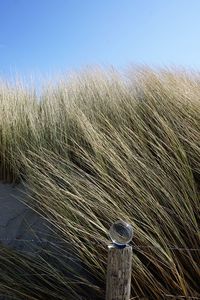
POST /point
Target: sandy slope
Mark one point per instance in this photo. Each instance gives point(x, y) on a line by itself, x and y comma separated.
point(24, 230)
point(20, 227)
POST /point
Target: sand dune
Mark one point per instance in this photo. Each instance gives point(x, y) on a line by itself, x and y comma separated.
point(21, 228)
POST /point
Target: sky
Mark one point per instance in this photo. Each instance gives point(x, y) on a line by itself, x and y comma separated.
point(49, 36)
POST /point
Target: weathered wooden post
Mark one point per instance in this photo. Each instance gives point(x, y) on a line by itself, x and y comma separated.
point(118, 283)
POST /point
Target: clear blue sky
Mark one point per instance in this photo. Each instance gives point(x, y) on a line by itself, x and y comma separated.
point(47, 36)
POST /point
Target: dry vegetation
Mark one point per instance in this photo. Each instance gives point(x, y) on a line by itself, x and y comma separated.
point(96, 148)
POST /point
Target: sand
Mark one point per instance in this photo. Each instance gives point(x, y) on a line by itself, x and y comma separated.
point(21, 228)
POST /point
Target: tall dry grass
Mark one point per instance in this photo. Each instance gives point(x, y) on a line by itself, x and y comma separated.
point(101, 147)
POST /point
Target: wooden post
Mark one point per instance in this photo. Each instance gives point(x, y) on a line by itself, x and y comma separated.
point(118, 283)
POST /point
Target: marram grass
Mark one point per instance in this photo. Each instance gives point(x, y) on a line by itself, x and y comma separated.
point(97, 148)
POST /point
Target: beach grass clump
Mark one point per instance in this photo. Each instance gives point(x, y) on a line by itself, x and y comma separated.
point(103, 147)
point(18, 127)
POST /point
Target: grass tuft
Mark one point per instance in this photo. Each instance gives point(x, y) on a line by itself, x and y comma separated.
point(97, 148)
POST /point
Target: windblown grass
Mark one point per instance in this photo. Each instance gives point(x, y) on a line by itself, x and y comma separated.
point(98, 148)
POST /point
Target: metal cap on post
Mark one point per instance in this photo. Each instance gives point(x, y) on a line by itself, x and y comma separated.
point(118, 283)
